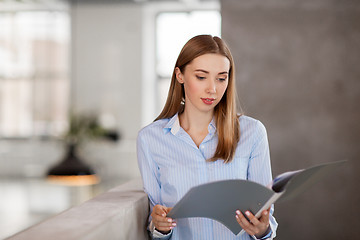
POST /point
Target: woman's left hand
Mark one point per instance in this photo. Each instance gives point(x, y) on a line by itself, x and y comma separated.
point(256, 227)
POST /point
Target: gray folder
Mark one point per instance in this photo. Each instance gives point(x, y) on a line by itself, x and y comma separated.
point(219, 200)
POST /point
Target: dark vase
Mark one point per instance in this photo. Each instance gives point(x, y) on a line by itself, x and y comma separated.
point(72, 170)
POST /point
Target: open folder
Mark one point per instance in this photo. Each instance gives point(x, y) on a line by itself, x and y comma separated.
point(219, 200)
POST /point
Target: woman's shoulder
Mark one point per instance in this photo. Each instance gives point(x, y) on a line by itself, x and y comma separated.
point(251, 124)
point(155, 127)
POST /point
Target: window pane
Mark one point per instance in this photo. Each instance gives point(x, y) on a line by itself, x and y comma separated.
point(15, 117)
point(174, 29)
point(33, 73)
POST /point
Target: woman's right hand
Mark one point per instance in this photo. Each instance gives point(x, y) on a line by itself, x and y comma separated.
point(160, 221)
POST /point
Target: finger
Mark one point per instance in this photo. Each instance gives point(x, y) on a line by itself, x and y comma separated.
point(163, 229)
point(159, 210)
point(160, 221)
point(164, 224)
point(265, 217)
point(244, 223)
point(252, 218)
point(167, 209)
point(158, 218)
point(238, 219)
point(260, 225)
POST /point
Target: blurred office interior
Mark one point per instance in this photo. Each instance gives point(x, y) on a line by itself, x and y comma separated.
point(297, 71)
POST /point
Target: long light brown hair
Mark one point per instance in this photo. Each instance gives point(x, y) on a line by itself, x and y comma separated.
point(225, 112)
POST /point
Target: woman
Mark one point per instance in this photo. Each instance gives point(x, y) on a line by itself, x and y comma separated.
point(199, 138)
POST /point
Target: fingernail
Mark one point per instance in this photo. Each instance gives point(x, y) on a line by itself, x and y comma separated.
point(247, 213)
point(237, 216)
point(238, 212)
point(174, 224)
point(169, 220)
point(171, 227)
point(265, 213)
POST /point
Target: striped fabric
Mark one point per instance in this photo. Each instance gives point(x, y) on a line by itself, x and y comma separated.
point(170, 164)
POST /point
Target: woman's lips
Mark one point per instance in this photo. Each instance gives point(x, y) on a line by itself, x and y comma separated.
point(208, 101)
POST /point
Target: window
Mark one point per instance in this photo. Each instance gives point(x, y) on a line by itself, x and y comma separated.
point(34, 81)
point(173, 30)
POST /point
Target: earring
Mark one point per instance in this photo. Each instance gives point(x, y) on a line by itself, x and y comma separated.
point(182, 102)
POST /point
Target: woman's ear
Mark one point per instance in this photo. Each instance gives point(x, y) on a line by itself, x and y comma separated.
point(179, 75)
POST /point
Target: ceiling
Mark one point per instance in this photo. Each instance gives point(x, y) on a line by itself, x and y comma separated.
point(19, 5)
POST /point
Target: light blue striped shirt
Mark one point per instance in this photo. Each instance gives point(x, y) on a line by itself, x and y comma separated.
point(170, 164)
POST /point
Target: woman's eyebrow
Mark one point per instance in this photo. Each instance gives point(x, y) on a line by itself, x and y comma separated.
point(223, 73)
point(204, 71)
point(201, 70)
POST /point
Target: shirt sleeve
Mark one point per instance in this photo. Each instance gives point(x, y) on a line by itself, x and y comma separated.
point(150, 177)
point(259, 169)
point(159, 236)
point(267, 236)
point(156, 235)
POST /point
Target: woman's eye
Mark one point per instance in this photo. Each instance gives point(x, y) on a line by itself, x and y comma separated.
point(222, 79)
point(200, 78)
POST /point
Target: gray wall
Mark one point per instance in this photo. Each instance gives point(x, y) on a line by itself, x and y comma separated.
point(106, 77)
point(297, 71)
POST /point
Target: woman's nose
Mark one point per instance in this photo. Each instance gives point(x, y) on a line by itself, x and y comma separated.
point(211, 88)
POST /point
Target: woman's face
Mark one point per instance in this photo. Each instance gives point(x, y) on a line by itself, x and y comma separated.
point(205, 81)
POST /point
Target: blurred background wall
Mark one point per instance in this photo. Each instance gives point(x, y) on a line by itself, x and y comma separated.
point(297, 71)
point(108, 66)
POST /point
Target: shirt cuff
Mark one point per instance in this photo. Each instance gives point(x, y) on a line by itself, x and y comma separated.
point(158, 235)
point(268, 235)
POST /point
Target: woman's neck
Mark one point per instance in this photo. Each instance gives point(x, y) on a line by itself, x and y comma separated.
point(196, 124)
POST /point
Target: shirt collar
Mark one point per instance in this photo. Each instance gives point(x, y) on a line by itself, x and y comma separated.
point(212, 126)
point(174, 125)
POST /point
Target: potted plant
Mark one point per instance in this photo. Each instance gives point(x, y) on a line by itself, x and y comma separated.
point(72, 170)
